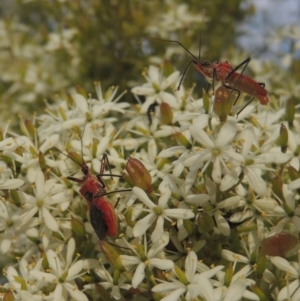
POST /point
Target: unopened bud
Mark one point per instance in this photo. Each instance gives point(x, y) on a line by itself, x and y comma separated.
point(205, 222)
point(257, 291)
point(103, 292)
point(111, 254)
point(45, 263)
point(183, 140)
point(224, 99)
point(278, 244)
point(42, 162)
point(261, 266)
point(18, 165)
point(251, 196)
point(75, 157)
point(277, 188)
point(30, 128)
point(166, 113)
point(293, 173)
point(188, 226)
point(77, 227)
point(81, 91)
point(94, 147)
point(139, 175)
point(8, 296)
point(157, 296)
point(282, 140)
point(290, 111)
point(181, 275)
point(15, 197)
point(228, 275)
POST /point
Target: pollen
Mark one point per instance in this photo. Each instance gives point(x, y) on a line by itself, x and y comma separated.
point(216, 152)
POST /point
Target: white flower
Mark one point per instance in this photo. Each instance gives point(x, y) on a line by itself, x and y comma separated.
point(110, 284)
point(154, 89)
point(10, 225)
point(5, 178)
point(158, 212)
point(175, 18)
point(23, 286)
point(289, 214)
point(61, 40)
point(147, 259)
point(292, 290)
point(216, 208)
point(48, 194)
point(95, 111)
point(255, 163)
point(189, 283)
point(219, 151)
point(62, 274)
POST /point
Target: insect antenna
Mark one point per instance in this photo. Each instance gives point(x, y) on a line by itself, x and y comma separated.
point(172, 41)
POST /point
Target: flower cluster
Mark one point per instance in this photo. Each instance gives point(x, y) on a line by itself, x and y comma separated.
point(170, 198)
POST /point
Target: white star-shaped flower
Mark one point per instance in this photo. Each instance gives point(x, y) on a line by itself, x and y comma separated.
point(158, 212)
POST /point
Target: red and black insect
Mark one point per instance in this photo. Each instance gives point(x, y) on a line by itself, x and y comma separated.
point(226, 74)
point(102, 213)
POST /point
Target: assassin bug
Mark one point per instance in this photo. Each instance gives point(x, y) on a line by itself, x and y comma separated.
point(102, 214)
point(226, 74)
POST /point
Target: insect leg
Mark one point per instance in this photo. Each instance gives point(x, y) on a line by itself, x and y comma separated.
point(75, 179)
point(184, 73)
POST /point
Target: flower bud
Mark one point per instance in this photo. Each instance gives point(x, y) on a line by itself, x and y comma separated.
point(261, 266)
point(188, 226)
point(139, 175)
point(293, 173)
point(64, 276)
point(103, 292)
point(183, 140)
point(62, 113)
point(157, 296)
point(290, 111)
point(42, 162)
point(224, 99)
point(277, 188)
point(253, 257)
point(166, 113)
point(30, 128)
point(282, 140)
point(18, 165)
point(256, 290)
point(81, 91)
point(278, 244)
point(45, 263)
point(111, 254)
point(8, 296)
point(94, 147)
point(228, 275)
point(181, 275)
point(77, 227)
point(288, 210)
point(75, 157)
point(15, 197)
point(205, 222)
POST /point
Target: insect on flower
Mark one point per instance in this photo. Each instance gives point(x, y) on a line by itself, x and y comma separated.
point(102, 213)
point(226, 74)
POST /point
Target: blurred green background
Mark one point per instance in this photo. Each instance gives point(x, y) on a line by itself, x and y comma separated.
point(47, 47)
